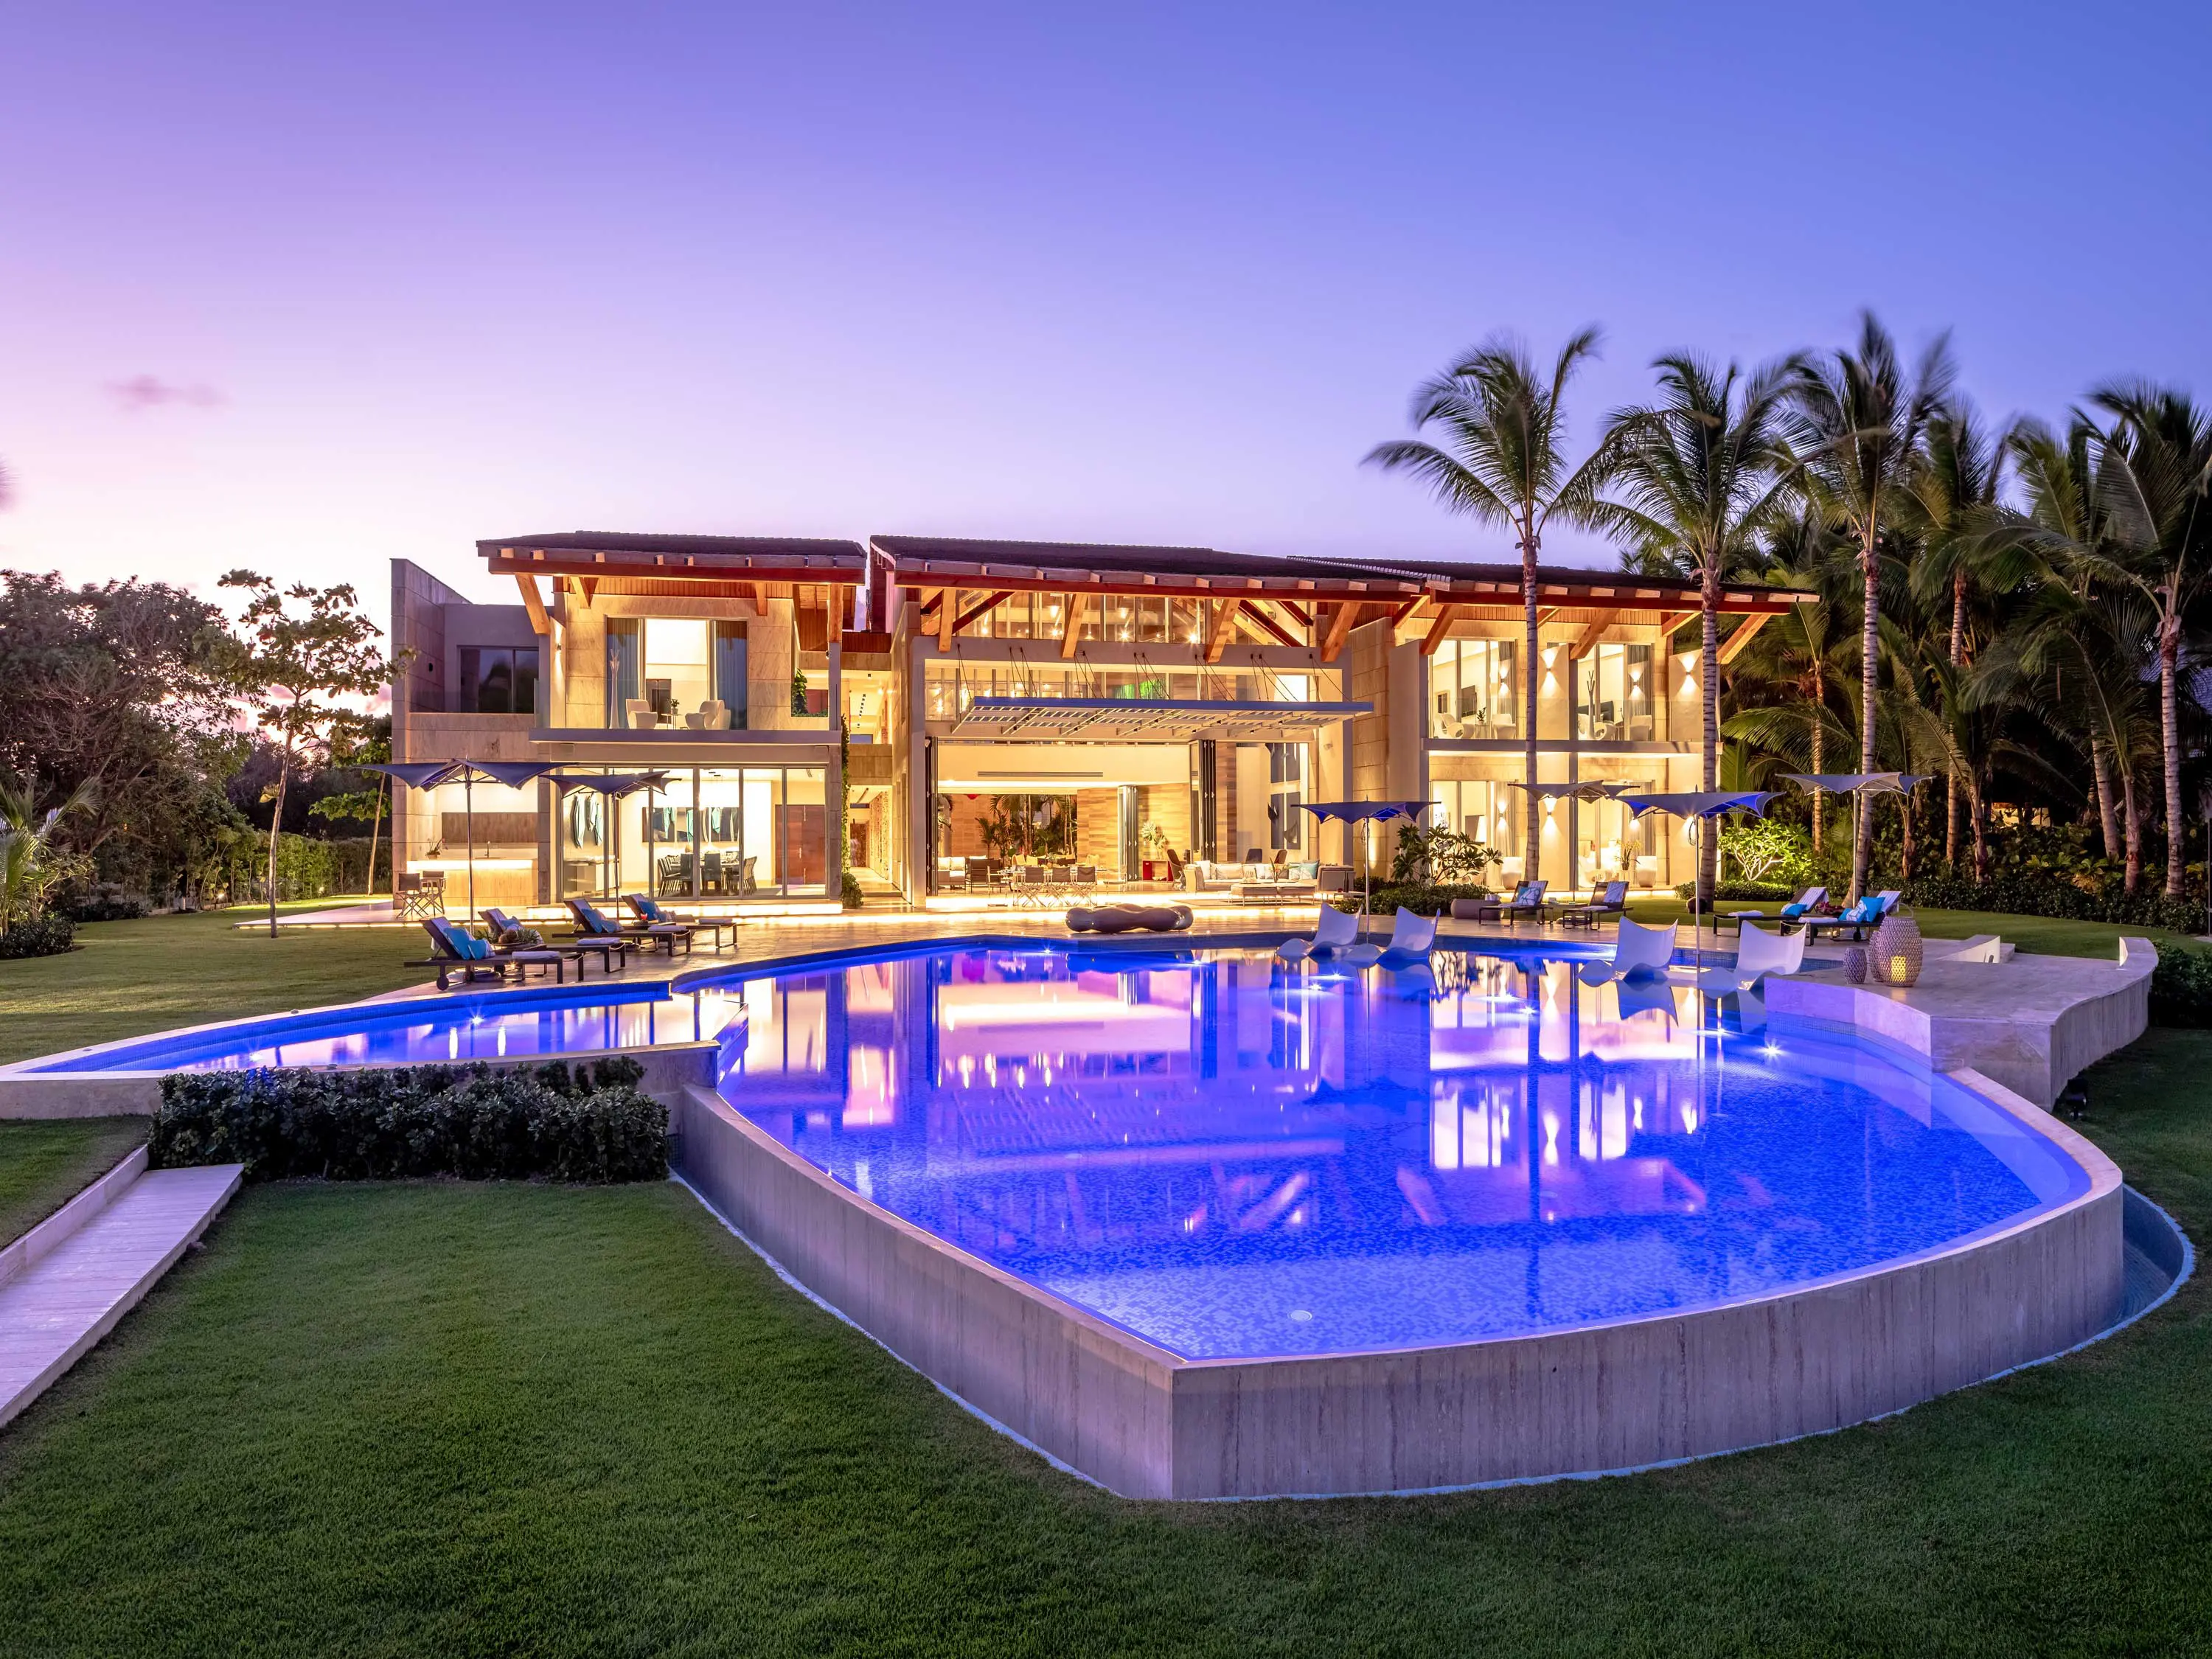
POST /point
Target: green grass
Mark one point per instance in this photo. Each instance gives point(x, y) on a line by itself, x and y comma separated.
point(2041, 934)
point(439, 1418)
point(44, 1163)
point(129, 978)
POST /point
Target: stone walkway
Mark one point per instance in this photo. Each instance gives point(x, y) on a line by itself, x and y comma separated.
point(55, 1309)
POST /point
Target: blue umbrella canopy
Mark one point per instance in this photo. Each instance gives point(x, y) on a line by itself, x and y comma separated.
point(415, 775)
point(1701, 803)
point(1354, 811)
point(1860, 783)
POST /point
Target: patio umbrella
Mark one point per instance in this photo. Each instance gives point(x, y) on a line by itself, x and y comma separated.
point(1360, 812)
point(1698, 805)
point(428, 775)
point(1859, 785)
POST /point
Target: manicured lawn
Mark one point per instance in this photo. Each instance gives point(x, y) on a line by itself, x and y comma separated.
point(43, 1164)
point(2038, 933)
point(128, 977)
point(516, 1420)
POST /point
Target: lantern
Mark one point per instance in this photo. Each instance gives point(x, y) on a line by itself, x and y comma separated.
point(1895, 950)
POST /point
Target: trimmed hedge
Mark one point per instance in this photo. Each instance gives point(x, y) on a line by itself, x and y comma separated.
point(1746, 891)
point(2043, 893)
point(553, 1122)
point(1422, 898)
point(49, 936)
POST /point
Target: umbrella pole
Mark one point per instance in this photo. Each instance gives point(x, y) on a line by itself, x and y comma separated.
point(469, 815)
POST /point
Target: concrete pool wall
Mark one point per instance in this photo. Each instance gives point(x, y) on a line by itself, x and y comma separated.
point(1145, 1422)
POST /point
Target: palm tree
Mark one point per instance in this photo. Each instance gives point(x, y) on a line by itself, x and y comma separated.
point(2156, 469)
point(1698, 476)
point(1502, 426)
point(1953, 488)
point(1858, 421)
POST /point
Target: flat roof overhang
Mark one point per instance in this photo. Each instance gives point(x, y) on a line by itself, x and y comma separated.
point(1099, 720)
point(733, 559)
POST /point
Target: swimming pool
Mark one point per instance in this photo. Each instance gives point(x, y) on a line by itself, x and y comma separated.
point(1231, 1157)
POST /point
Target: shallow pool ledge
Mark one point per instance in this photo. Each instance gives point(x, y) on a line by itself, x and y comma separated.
point(1145, 1422)
point(2033, 1023)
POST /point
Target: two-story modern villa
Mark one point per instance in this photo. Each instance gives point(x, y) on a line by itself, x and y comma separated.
point(1130, 711)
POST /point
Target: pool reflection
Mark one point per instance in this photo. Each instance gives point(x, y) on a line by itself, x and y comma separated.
point(1201, 1147)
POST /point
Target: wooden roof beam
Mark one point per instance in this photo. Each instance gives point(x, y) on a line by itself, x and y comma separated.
point(534, 603)
point(1339, 629)
point(1282, 634)
point(1225, 627)
point(1072, 635)
point(1732, 646)
point(1446, 616)
point(1586, 641)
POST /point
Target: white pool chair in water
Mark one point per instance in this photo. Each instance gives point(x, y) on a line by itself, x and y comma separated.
point(1412, 938)
point(1636, 950)
point(1336, 930)
point(1759, 954)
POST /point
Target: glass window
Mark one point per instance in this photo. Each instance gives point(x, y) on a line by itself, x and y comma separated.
point(499, 679)
point(623, 635)
point(1472, 690)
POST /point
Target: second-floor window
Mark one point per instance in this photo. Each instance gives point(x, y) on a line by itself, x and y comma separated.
point(499, 679)
point(1471, 689)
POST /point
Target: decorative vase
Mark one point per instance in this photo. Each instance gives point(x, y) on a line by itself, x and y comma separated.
point(1855, 963)
point(1896, 948)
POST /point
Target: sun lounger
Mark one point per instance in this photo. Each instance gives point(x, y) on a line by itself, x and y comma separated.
point(611, 952)
point(1636, 950)
point(454, 949)
point(592, 922)
point(1860, 917)
point(1336, 930)
point(1412, 938)
point(1760, 953)
point(649, 912)
point(1527, 900)
point(1612, 901)
point(1794, 912)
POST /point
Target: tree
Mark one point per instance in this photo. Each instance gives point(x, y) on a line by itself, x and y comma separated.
point(306, 648)
point(1698, 476)
point(374, 746)
point(1952, 489)
point(31, 864)
point(1856, 426)
point(1502, 427)
point(2155, 470)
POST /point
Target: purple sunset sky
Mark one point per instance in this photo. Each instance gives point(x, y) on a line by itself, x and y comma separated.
point(303, 290)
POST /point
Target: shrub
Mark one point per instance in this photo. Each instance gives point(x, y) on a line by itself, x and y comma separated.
point(2181, 987)
point(849, 891)
point(1422, 898)
point(2044, 892)
point(108, 903)
point(1767, 851)
point(554, 1122)
point(1738, 890)
point(49, 936)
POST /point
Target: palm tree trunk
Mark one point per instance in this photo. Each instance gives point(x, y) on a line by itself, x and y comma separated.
point(1869, 667)
point(1978, 810)
point(1533, 847)
point(2100, 763)
point(1819, 731)
point(2169, 650)
point(2132, 814)
point(1709, 667)
point(1958, 645)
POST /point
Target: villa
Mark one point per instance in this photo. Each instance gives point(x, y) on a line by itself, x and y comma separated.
point(1148, 715)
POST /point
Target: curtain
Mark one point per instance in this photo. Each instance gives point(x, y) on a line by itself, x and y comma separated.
point(624, 639)
point(730, 671)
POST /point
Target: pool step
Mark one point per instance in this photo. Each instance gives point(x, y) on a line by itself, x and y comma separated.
point(66, 1283)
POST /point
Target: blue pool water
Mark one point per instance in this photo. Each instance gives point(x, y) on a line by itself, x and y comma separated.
point(1233, 1158)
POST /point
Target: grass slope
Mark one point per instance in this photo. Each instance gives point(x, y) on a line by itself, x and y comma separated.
point(440, 1419)
point(2041, 934)
point(129, 978)
point(45, 1164)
